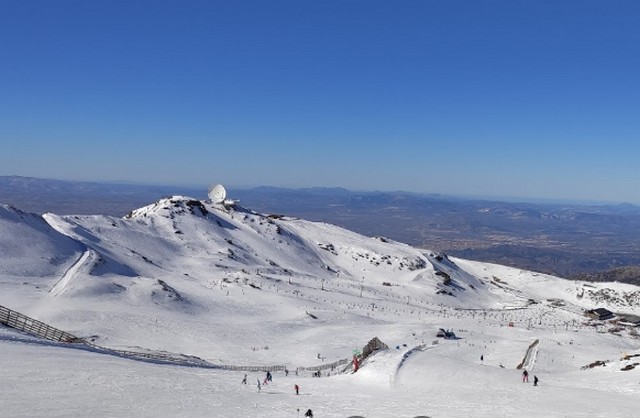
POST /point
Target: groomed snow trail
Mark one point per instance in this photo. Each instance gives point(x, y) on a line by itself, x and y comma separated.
point(86, 259)
point(530, 358)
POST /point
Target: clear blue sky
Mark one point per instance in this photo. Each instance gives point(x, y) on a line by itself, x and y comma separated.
point(535, 99)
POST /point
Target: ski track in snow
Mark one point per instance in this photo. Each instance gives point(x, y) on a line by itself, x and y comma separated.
point(86, 259)
point(531, 356)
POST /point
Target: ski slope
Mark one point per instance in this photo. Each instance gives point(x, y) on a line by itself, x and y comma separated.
point(240, 288)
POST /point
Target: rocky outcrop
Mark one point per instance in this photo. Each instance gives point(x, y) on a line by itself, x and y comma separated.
point(372, 346)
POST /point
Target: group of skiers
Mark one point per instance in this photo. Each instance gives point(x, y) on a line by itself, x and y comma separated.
point(309, 414)
point(525, 378)
point(269, 378)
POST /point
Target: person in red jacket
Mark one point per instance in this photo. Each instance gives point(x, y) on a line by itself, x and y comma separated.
point(297, 388)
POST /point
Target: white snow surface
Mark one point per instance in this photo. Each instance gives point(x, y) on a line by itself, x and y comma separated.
point(238, 288)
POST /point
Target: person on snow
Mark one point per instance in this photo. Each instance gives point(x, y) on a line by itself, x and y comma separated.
point(535, 380)
point(269, 377)
point(297, 388)
point(308, 414)
point(259, 387)
point(481, 358)
point(525, 376)
point(286, 372)
point(244, 380)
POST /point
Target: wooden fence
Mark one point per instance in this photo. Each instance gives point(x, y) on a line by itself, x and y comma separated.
point(34, 327)
point(39, 329)
point(328, 366)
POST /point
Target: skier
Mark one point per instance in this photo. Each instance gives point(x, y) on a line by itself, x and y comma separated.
point(297, 388)
point(259, 387)
point(308, 414)
point(286, 372)
point(481, 358)
point(525, 376)
point(244, 380)
point(269, 377)
point(535, 380)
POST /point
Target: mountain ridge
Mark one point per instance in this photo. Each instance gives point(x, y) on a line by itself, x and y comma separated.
point(559, 239)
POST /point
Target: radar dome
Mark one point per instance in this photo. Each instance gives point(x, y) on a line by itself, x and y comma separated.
point(217, 193)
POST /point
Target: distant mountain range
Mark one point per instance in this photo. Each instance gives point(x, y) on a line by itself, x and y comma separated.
point(560, 239)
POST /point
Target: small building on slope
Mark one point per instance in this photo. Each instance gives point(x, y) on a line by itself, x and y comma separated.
point(600, 314)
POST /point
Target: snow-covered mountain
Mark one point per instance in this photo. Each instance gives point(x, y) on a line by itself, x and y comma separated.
point(236, 287)
point(30, 247)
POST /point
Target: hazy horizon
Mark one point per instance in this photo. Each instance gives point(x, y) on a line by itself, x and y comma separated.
point(530, 99)
point(203, 188)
